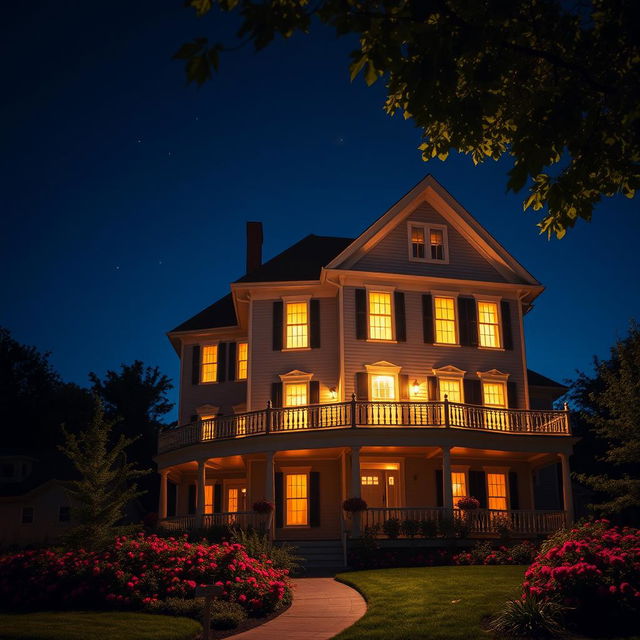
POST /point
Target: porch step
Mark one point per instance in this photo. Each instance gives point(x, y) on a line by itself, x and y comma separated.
point(319, 554)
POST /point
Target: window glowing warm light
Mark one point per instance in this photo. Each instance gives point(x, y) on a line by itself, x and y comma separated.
point(208, 498)
point(380, 327)
point(458, 485)
point(383, 388)
point(488, 324)
point(452, 388)
point(370, 480)
point(297, 499)
point(445, 319)
point(297, 325)
point(436, 241)
point(243, 356)
point(497, 491)
point(209, 363)
point(494, 395)
point(208, 424)
point(417, 242)
point(295, 395)
point(232, 500)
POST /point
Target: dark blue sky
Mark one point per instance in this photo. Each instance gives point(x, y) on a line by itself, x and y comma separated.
point(125, 192)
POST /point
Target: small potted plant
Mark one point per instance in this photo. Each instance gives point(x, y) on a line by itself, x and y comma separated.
point(264, 508)
point(354, 505)
point(468, 504)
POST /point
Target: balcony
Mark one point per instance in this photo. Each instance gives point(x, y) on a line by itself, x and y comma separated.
point(356, 414)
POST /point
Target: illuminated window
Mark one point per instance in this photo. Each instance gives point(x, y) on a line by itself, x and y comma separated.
point(209, 363)
point(436, 244)
point(445, 317)
point(208, 425)
point(243, 355)
point(459, 486)
point(391, 480)
point(370, 480)
point(383, 388)
point(417, 242)
point(494, 395)
point(295, 395)
point(297, 499)
point(297, 325)
point(380, 327)
point(232, 500)
point(497, 491)
point(452, 388)
point(488, 324)
point(208, 498)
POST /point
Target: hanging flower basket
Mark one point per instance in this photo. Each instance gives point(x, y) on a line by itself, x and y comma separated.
point(468, 504)
point(263, 506)
point(354, 505)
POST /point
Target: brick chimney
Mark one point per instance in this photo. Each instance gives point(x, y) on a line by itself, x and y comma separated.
point(254, 246)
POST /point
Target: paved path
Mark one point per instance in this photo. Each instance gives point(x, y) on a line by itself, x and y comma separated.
point(321, 609)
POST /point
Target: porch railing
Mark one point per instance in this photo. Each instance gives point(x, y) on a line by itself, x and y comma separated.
point(357, 414)
point(480, 521)
point(240, 519)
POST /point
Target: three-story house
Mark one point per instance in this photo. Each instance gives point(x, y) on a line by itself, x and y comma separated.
point(390, 367)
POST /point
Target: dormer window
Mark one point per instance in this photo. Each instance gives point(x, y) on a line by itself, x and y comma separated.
point(427, 242)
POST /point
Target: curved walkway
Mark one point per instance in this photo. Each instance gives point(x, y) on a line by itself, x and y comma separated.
point(321, 609)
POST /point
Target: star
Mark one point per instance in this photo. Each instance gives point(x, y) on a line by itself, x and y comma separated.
point(139, 140)
point(117, 268)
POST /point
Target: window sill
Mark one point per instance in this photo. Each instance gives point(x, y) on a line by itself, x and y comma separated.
point(380, 341)
point(209, 382)
point(296, 349)
point(491, 348)
point(446, 344)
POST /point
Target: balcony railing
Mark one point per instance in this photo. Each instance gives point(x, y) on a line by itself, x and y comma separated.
point(239, 519)
point(480, 521)
point(356, 414)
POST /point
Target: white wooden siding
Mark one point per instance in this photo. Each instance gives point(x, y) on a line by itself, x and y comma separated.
point(390, 255)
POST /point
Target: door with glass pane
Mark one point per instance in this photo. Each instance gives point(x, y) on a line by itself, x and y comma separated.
point(495, 401)
point(385, 394)
point(295, 395)
point(380, 488)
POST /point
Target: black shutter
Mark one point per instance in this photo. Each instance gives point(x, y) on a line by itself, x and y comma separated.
point(217, 498)
point(468, 322)
point(361, 314)
point(514, 498)
point(278, 491)
point(432, 389)
point(427, 318)
point(191, 499)
point(314, 392)
point(222, 362)
point(403, 381)
point(478, 487)
point(232, 353)
point(194, 418)
point(314, 499)
point(172, 498)
point(507, 334)
point(276, 394)
point(314, 318)
point(439, 489)
point(512, 394)
point(401, 321)
point(277, 325)
point(472, 392)
point(362, 386)
point(195, 364)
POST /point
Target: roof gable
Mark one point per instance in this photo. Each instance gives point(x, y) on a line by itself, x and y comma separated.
point(429, 198)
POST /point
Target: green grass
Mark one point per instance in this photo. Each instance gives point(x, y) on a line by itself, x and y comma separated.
point(76, 625)
point(430, 602)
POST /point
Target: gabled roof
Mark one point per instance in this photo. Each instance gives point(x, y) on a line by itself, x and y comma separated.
point(220, 314)
point(430, 190)
point(302, 261)
point(536, 379)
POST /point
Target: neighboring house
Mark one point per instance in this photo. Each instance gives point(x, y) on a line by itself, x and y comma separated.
point(391, 366)
point(34, 507)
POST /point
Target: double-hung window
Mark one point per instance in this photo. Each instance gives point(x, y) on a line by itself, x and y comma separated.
point(452, 388)
point(417, 241)
point(488, 324)
point(296, 499)
point(209, 363)
point(296, 325)
point(380, 318)
point(427, 242)
point(445, 320)
point(497, 491)
point(242, 360)
point(296, 394)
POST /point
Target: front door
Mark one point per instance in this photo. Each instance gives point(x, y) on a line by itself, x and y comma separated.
point(379, 488)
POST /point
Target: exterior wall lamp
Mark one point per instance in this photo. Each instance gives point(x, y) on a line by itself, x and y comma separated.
point(415, 388)
point(333, 393)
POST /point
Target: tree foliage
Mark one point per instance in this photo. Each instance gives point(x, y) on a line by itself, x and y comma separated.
point(553, 85)
point(609, 423)
point(106, 484)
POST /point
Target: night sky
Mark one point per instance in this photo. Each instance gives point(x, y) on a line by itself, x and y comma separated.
point(125, 192)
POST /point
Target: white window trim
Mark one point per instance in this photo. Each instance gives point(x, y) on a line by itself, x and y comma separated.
point(495, 376)
point(383, 368)
point(449, 372)
point(295, 471)
point(425, 230)
point(456, 320)
point(206, 410)
point(497, 300)
point(505, 471)
point(293, 299)
point(427, 242)
point(382, 289)
point(237, 363)
point(202, 346)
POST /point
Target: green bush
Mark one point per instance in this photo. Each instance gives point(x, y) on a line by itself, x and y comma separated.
point(530, 618)
point(411, 528)
point(258, 545)
point(391, 528)
point(428, 528)
point(226, 615)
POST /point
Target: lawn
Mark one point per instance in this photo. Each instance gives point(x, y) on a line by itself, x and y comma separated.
point(430, 602)
point(75, 625)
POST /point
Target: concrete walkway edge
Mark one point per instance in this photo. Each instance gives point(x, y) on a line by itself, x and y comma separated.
point(321, 609)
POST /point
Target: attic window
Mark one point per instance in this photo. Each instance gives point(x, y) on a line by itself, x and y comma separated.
point(427, 242)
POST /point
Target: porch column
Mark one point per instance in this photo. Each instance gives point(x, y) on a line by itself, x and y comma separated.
point(355, 488)
point(268, 479)
point(447, 489)
point(162, 510)
point(202, 475)
point(567, 492)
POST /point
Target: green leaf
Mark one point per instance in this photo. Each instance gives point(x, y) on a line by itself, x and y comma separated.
point(371, 75)
point(356, 67)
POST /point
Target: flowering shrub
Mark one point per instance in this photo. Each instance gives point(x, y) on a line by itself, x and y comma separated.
point(263, 506)
point(484, 553)
point(354, 505)
point(135, 571)
point(594, 568)
point(468, 504)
